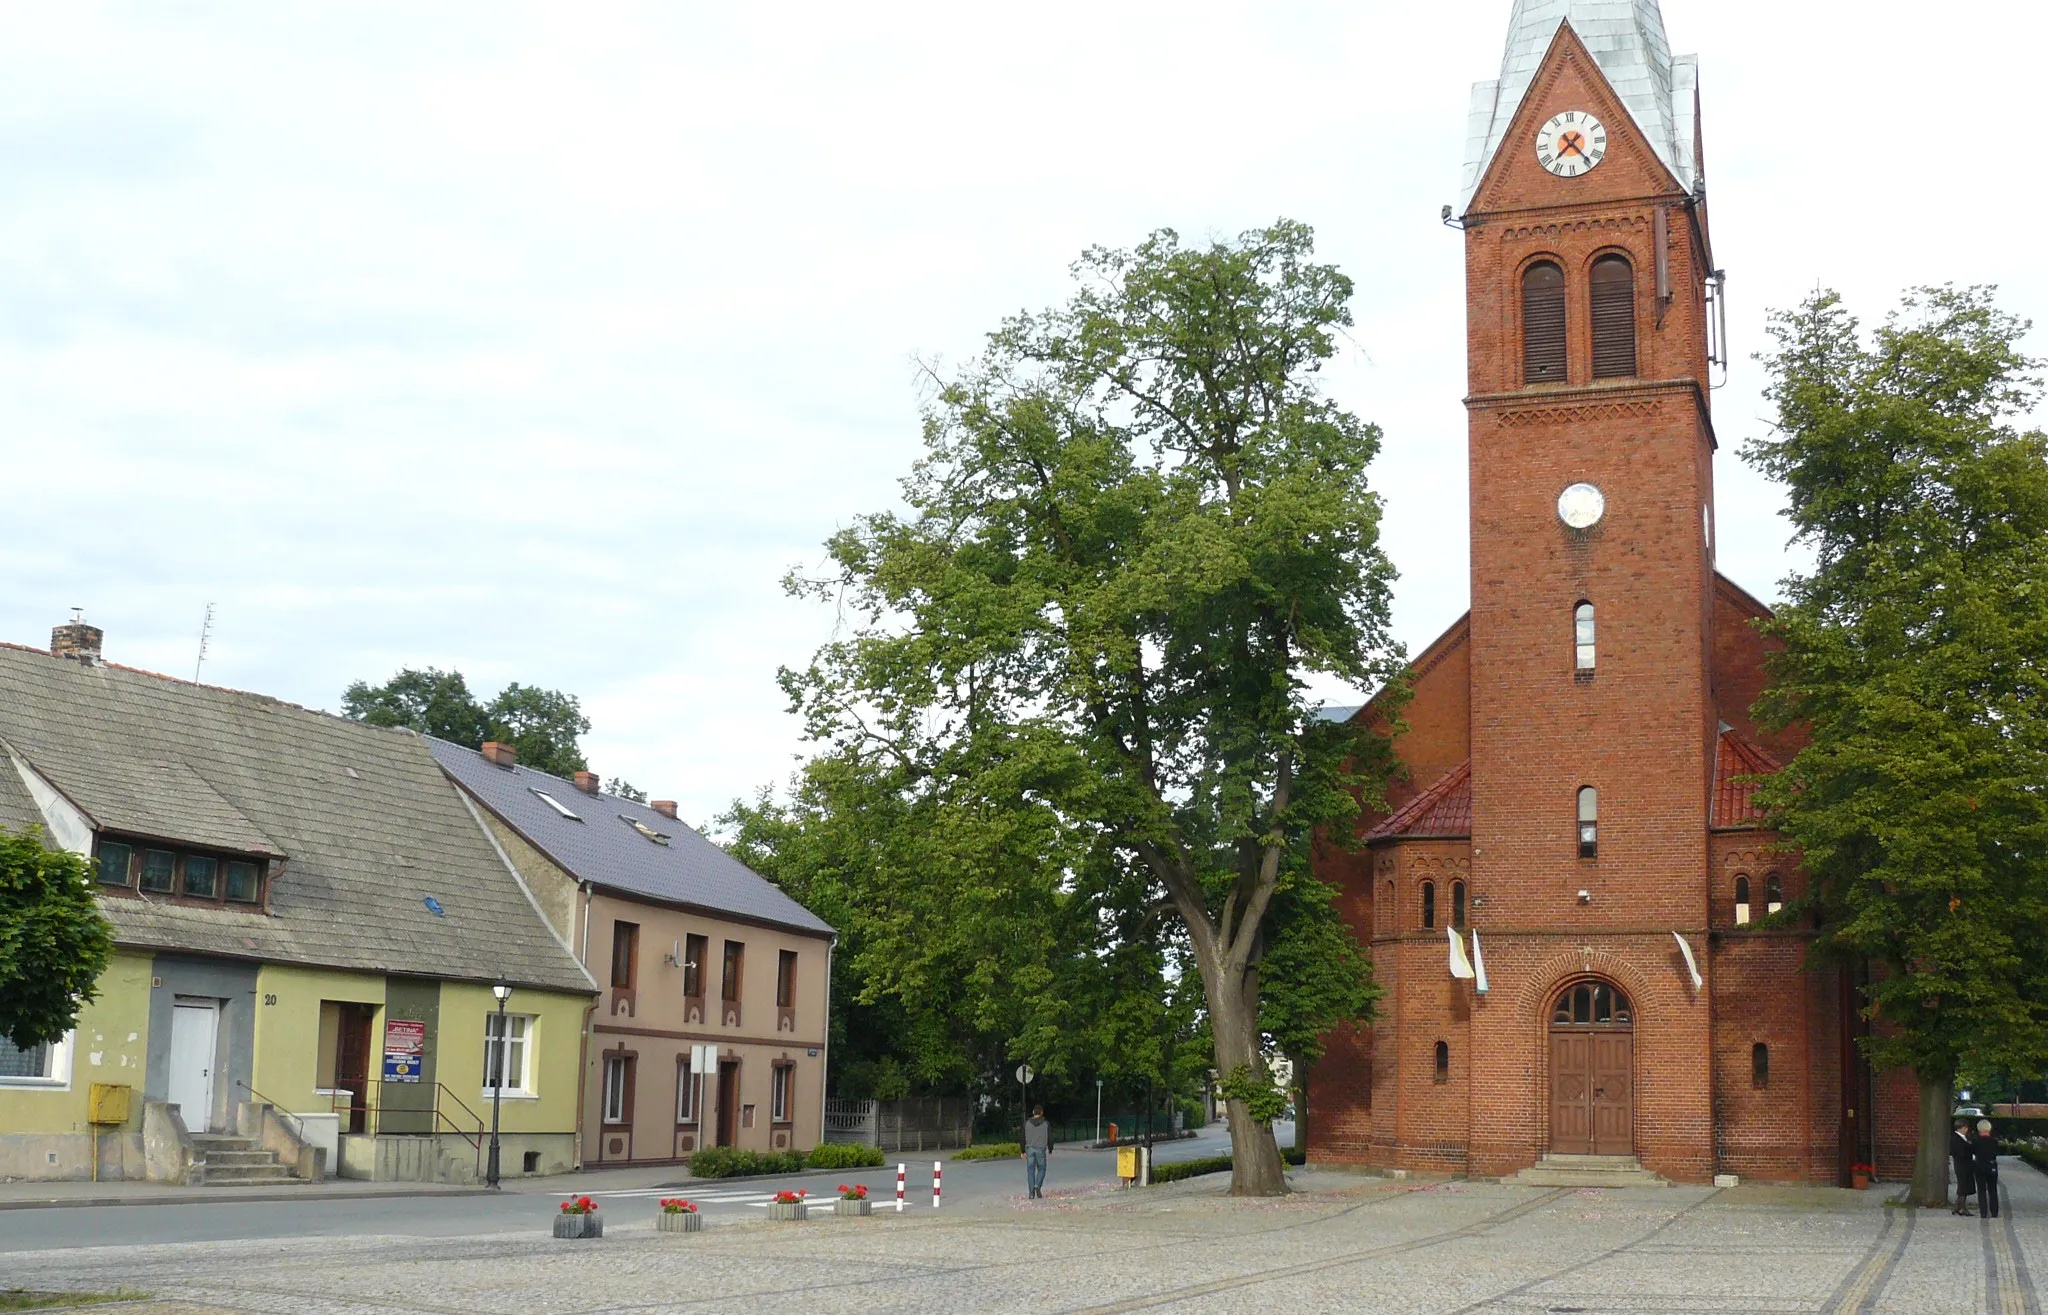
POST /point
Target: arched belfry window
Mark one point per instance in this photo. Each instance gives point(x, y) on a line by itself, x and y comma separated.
point(1543, 324)
point(1443, 1061)
point(1589, 822)
point(1582, 637)
point(1458, 904)
point(1742, 901)
point(1774, 893)
point(1429, 904)
point(1614, 318)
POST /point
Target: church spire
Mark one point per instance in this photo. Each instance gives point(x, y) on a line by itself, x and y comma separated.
point(1626, 38)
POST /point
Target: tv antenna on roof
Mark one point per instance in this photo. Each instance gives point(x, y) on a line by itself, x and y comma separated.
point(205, 632)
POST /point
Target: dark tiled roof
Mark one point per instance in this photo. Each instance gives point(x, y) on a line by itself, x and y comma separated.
point(1736, 757)
point(1444, 809)
point(604, 843)
point(367, 824)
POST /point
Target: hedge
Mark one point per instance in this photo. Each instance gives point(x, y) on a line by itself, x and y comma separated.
point(841, 1155)
point(735, 1162)
point(998, 1150)
point(1167, 1173)
point(2033, 1152)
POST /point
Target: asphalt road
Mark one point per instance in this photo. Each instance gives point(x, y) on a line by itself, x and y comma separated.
point(973, 1184)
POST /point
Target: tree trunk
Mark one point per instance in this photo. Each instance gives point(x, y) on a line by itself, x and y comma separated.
point(1255, 1167)
point(1930, 1159)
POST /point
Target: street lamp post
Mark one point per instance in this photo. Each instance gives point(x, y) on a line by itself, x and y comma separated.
point(503, 990)
point(1098, 1109)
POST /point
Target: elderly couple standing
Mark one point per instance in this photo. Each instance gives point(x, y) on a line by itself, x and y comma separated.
point(1976, 1165)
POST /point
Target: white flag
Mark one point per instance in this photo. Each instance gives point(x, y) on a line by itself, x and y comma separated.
point(1691, 964)
point(1478, 962)
point(1460, 965)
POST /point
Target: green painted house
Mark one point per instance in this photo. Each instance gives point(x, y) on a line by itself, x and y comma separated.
point(309, 921)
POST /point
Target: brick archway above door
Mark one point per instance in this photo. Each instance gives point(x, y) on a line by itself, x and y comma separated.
point(1592, 1070)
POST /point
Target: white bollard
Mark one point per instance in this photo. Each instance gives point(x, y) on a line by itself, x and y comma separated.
point(938, 1181)
point(899, 1189)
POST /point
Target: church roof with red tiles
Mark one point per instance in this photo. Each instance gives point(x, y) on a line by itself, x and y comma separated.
point(1735, 758)
point(1444, 809)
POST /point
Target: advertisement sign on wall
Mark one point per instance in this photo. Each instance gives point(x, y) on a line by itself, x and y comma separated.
point(405, 1046)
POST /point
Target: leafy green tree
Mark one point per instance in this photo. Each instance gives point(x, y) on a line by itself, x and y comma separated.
point(1136, 533)
point(625, 789)
point(1315, 978)
point(543, 725)
point(53, 942)
point(1916, 650)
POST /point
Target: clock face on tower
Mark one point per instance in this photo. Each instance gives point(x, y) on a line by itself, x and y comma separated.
point(1571, 143)
point(1581, 506)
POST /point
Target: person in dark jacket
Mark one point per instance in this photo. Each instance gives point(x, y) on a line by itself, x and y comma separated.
point(1985, 1152)
point(1962, 1155)
point(1037, 1149)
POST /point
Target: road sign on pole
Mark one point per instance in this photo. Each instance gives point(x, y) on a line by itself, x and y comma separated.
point(1024, 1074)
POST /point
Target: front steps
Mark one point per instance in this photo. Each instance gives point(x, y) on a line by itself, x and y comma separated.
point(224, 1160)
point(1588, 1171)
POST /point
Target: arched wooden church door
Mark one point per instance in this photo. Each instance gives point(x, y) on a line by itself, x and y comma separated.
point(1592, 1071)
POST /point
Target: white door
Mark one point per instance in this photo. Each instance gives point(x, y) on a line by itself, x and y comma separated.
point(193, 1025)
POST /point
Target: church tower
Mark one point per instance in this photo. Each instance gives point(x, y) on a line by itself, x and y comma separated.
point(1593, 725)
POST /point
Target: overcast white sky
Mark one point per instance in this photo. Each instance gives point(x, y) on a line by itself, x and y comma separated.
point(539, 341)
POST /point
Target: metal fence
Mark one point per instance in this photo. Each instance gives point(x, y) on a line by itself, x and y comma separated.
point(930, 1124)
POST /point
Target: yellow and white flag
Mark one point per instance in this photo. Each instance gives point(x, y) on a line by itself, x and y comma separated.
point(1478, 962)
point(1460, 965)
point(1692, 965)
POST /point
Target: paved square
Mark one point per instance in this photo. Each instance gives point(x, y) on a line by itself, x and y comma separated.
point(1343, 1244)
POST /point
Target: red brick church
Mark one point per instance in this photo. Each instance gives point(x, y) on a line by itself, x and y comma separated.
point(1573, 831)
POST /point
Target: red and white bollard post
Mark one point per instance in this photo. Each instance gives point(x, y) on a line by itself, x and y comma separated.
point(938, 1181)
point(899, 1189)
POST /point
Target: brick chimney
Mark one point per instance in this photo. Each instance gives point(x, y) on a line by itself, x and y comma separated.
point(587, 782)
point(666, 807)
point(504, 755)
point(77, 640)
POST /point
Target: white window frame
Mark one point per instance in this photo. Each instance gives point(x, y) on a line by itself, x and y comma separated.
point(613, 1088)
point(686, 1091)
point(521, 1029)
point(781, 1081)
point(59, 1076)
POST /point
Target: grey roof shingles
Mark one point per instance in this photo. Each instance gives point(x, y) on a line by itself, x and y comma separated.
point(602, 846)
point(368, 824)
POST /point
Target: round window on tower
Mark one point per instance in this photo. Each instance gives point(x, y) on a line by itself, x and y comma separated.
point(1581, 506)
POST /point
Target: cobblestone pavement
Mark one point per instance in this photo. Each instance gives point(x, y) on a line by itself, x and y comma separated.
point(1342, 1243)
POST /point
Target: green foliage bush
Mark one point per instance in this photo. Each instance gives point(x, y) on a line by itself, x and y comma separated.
point(1167, 1173)
point(735, 1162)
point(2033, 1152)
point(834, 1155)
point(996, 1150)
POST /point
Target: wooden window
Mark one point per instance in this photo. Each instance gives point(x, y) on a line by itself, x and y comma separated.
point(1591, 1003)
point(1443, 1061)
point(159, 870)
point(686, 1090)
point(1589, 822)
point(1429, 904)
point(785, 980)
point(1458, 904)
point(1742, 901)
point(1760, 1065)
point(202, 876)
point(1774, 893)
point(618, 1088)
point(245, 882)
point(1582, 637)
point(1614, 318)
point(729, 986)
point(625, 953)
point(695, 950)
point(1543, 336)
point(114, 861)
point(781, 1079)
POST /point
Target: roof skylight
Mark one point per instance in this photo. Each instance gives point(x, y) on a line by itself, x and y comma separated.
point(658, 837)
point(555, 804)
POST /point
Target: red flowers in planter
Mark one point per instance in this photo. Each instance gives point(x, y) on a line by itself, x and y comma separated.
point(857, 1192)
point(582, 1205)
point(790, 1198)
point(676, 1205)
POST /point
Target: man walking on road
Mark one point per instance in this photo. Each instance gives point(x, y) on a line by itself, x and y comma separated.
point(1985, 1151)
point(1037, 1147)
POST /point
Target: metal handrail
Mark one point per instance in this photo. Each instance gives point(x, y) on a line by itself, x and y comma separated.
point(298, 1128)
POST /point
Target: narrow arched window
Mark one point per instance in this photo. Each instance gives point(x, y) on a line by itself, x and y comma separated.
point(1429, 904)
point(1543, 324)
point(1457, 904)
point(1614, 318)
point(1774, 893)
point(1760, 1065)
point(1582, 637)
point(1742, 901)
point(1589, 822)
point(1443, 1061)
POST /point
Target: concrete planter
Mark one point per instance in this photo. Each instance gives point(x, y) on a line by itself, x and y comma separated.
point(854, 1209)
point(680, 1221)
point(792, 1210)
point(590, 1225)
